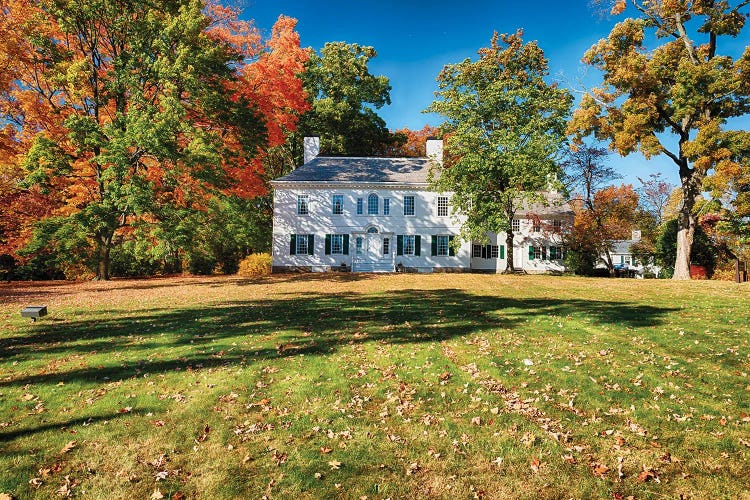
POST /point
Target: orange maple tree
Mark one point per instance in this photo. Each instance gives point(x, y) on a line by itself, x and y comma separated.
point(115, 110)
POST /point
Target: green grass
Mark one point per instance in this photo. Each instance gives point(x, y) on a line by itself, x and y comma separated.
point(398, 386)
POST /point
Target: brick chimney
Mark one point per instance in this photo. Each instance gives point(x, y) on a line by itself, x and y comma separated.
point(311, 147)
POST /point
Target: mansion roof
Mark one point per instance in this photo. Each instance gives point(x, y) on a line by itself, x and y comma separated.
point(353, 170)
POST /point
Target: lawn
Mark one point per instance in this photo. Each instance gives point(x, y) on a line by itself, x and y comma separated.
point(394, 386)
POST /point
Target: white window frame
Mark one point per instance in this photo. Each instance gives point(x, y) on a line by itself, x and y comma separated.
point(409, 244)
point(386, 246)
point(302, 246)
point(515, 225)
point(359, 244)
point(303, 204)
point(442, 206)
point(476, 251)
point(443, 245)
point(373, 208)
point(337, 209)
point(536, 226)
point(412, 204)
point(360, 206)
point(555, 252)
point(386, 206)
point(337, 244)
point(494, 252)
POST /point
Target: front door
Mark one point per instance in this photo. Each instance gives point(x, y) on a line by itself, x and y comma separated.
point(372, 245)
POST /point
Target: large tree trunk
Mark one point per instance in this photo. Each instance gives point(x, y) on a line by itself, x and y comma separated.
point(686, 222)
point(509, 237)
point(104, 248)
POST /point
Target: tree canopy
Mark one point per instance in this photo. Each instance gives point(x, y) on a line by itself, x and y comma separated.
point(504, 128)
point(669, 89)
point(343, 98)
point(117, 113)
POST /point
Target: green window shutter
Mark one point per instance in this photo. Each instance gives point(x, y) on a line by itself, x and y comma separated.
point(544, 253)
point(488, 251)
point(328, 244)
point(451, 250)
point(502, 251)
point(310, 244)
point(400, 244)
point(346, 244)
point(417, 245)
point(531, 253)
point(434, 246)
point(293, 245)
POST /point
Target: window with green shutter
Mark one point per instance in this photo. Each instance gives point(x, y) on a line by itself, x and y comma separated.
point(531, 253)
point(502, 251)
point(293, 245)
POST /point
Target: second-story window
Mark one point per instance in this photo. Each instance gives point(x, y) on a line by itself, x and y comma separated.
point(442, 206)
point(338, 204)
point(386, 206)
point(516, 225)
point(409, 205)
point(372, 204)
point(360, 206)
point(302, 204)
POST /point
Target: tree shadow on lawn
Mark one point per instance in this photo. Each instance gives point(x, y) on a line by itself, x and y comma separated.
point(313, 324)
point(85, 420)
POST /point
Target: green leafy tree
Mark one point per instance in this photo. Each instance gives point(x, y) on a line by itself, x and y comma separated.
point(344, 96)
point(672, 97)
point(118, 105)
point(505, 127)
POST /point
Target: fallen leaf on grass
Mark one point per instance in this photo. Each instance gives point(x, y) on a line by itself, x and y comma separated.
point(6, 496)
point(324, 450)
point(445, 376)
point(69, 446)
point(334, 464)
point(599, 470)
point(159, 423)
point(569, 458)
point(157, 495)
point(476, 421)
point(178, 496)
point(536, 464)
point(648, 475)
point(28, 396)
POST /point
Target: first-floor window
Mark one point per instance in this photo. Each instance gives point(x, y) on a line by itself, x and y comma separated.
point(537, 253)
point(555, 253)
point(337, 244)
point(386, 245)
point(407, 244)
point(359, 245)
point(493, 252)
point(302, 244)
point(476, 251)
point(441, 245)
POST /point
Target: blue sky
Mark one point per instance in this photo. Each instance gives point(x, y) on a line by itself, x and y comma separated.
point(415, 39)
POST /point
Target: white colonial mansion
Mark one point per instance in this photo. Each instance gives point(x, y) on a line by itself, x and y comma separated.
point(379, 215)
